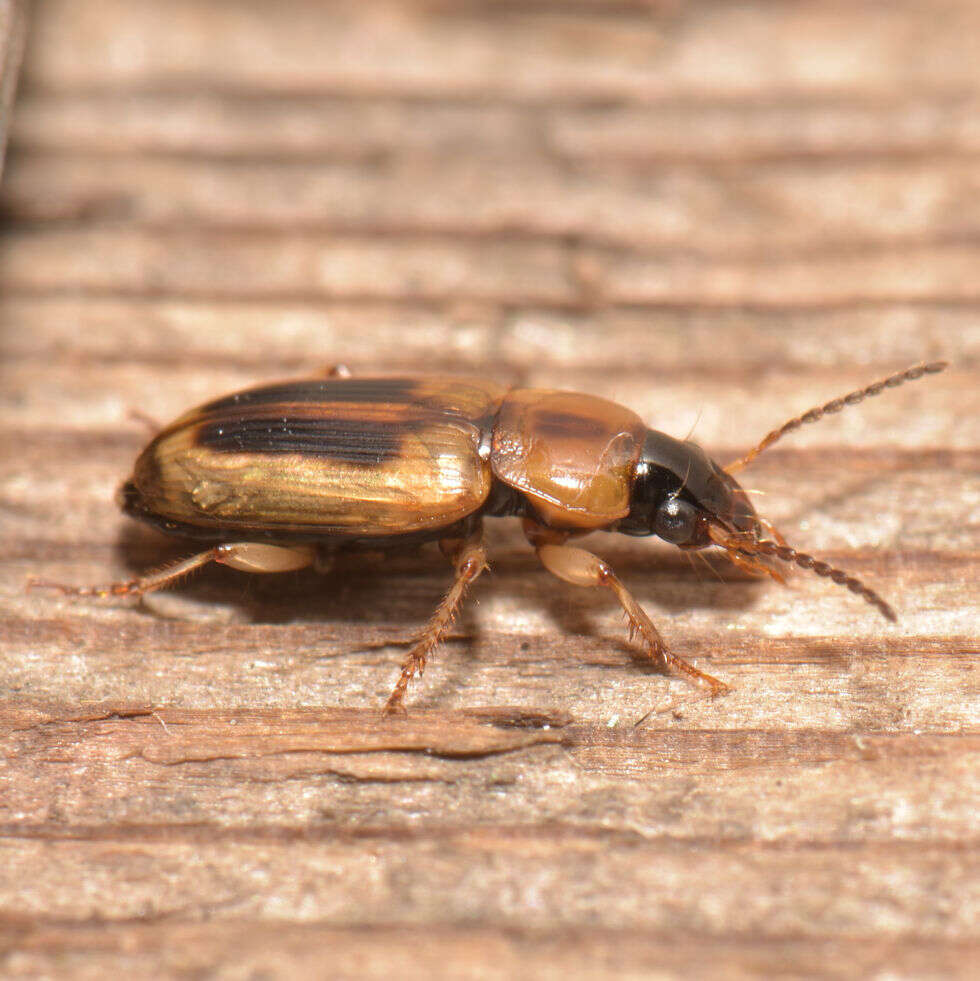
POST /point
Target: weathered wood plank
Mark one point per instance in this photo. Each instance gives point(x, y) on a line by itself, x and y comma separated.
point(431, 269)
point(228, 126)
point(420, 880)
point(737, 210)
point(579, 347)
point(248, 947)
point(499, 51)
point(718, 215)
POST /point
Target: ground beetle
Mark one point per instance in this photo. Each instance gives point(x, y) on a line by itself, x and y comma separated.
point(275, 478)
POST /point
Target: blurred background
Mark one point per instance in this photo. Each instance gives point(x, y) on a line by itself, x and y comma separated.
point(716, 213)
point(603, 195)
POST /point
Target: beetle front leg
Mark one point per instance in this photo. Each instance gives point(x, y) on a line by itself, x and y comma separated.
point(470, 559)
point(246, 556)
point(582, 568)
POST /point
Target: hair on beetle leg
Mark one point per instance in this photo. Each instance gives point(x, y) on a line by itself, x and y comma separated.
point(156, 578)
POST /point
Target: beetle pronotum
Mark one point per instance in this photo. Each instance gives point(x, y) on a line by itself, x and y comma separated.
point(274, 477)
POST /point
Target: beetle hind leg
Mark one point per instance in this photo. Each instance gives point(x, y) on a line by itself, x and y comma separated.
point(246, 556)
point(582, 568)
point(470, 559)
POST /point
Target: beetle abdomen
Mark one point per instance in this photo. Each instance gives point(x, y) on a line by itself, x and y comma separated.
point(351, 458)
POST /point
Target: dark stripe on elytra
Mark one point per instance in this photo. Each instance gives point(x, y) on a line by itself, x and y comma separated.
point(379, 390)
point(361, 442)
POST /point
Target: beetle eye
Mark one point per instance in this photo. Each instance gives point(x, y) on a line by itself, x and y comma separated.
point(675, 521)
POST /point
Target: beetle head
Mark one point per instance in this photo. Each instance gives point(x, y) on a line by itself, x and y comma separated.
point(679, 493)
point(683, 496)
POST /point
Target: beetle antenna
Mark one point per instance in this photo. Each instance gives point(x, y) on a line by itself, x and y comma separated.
point(746, 547)
point(835, 405)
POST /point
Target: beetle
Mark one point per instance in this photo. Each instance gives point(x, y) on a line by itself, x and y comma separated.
point(275, 478)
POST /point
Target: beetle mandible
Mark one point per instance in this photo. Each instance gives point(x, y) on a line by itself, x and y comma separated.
point(274, 477)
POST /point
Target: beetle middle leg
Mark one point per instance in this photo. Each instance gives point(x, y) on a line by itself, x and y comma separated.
point(582, 568)
point(246, 556)
point(470, 559)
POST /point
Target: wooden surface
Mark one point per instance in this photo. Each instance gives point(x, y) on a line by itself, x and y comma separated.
point(13, 22)
point(717, 214)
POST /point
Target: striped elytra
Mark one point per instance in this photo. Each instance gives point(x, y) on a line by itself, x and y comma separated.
point(344, 458)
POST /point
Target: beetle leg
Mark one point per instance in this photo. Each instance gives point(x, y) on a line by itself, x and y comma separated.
point(470, 559)
point(582, 568)
point(246, 556)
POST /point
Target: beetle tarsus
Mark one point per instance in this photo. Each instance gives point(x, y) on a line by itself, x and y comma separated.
point(127, 588)
point(246, 556)
point(470, 560)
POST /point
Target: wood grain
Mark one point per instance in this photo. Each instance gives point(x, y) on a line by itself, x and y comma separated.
point(718, 215)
